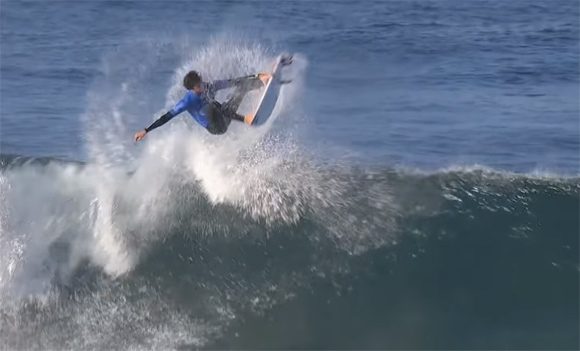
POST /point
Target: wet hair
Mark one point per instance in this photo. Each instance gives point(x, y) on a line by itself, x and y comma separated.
point(191, 79)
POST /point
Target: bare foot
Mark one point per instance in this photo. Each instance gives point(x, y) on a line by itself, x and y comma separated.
point(264, 77)
point(249, 118)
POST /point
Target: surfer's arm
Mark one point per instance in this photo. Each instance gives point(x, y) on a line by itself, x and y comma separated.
point(177, 109)
point(160, 121)
point(228, 83)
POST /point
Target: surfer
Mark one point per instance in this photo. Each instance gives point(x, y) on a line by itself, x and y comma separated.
point(200, 102)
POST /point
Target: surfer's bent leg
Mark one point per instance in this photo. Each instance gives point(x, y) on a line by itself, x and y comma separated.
point(218, 120)
point(242, 88)
point(221, 115)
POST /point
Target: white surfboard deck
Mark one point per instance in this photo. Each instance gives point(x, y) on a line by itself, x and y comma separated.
point(270, 94)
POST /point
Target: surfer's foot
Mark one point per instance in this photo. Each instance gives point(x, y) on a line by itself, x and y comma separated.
point(249, 118)
point(264, 77)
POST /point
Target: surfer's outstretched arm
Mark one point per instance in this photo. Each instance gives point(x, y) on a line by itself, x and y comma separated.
point(160, 121)
point(177, 109)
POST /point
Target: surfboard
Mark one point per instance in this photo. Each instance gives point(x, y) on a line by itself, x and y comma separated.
point(269, 96)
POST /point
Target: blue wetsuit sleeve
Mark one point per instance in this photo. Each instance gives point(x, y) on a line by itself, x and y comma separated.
point(181, 105)
point(177, 109)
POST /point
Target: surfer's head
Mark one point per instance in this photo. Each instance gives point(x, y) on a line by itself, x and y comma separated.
point(192, 81)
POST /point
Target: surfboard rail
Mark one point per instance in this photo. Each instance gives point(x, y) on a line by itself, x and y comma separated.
point(269, 97)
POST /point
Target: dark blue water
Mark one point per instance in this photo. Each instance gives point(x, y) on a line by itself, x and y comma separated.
point(429, 83)
point(418, 187)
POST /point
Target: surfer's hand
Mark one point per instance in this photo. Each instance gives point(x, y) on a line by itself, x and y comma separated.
point(140, 135)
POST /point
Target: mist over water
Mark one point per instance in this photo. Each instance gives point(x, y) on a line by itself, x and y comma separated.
point(94, 224)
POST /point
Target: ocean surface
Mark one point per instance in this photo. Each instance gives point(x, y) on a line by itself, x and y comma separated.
point(418, 186)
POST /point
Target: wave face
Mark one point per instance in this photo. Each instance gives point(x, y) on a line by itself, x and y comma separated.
point(191, 240)
point(327, 257)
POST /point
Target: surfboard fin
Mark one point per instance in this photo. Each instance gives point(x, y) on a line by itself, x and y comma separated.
point(286, 60)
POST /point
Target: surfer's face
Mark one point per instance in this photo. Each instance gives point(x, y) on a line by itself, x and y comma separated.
point(197, 88)
point(192, 81)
